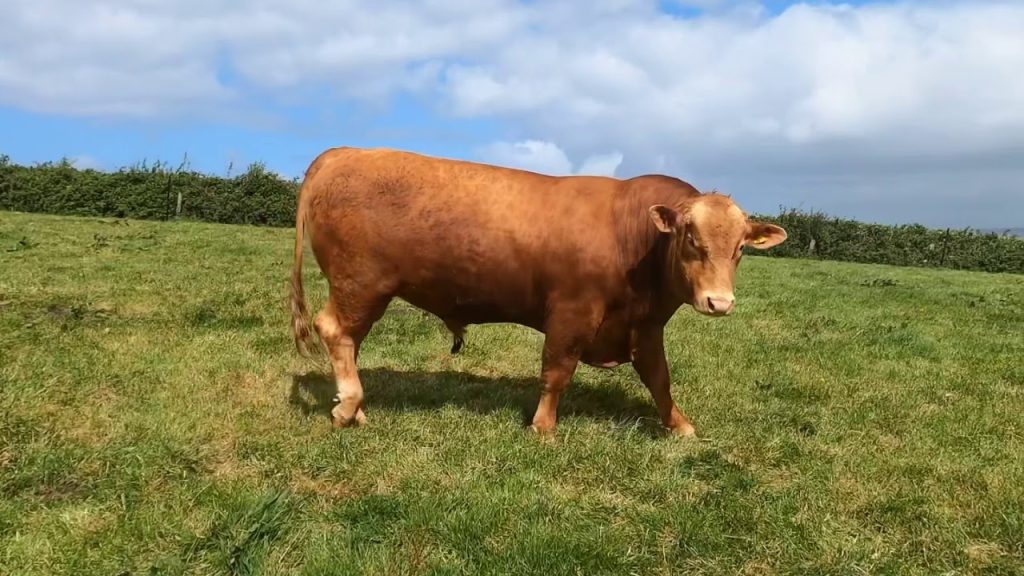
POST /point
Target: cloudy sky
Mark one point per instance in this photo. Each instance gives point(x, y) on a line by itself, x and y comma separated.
point(907, 111)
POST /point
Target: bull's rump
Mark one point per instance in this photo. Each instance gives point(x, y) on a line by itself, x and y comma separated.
point(468, 242)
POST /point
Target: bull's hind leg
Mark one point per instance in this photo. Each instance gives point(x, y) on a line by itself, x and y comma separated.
point(342, 330)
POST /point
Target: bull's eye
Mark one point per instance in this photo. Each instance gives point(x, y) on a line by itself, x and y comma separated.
point(691, 240)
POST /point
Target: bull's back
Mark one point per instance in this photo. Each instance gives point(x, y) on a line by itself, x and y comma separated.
point(469, 242)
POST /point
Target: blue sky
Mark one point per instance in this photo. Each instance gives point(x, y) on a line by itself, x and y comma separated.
point(884, 111)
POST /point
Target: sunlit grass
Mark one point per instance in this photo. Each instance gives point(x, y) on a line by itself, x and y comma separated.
point(155, 419)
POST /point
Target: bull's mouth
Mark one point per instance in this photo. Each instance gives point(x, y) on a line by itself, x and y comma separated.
point(708, 308)
point(713, 313)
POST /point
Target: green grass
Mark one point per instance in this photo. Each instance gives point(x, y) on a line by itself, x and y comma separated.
point(154, 419)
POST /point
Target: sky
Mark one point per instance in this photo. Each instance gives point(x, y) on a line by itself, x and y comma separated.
point(893, 112)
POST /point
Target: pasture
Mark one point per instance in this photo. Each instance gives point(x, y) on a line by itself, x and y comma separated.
point(155, 419)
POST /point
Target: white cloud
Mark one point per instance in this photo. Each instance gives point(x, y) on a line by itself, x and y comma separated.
point(141, 58)
point(533, 155)
point(902, 73)
point(617, 68)
point(601, 164)
point(547, 158)
point(736, 95)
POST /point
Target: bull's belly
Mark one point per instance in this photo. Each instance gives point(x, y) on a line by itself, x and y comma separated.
point(606, 356)
point(612, 346)
point(460, 310)
point(459, 306)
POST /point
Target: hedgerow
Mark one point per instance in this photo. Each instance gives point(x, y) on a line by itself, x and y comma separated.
point(261, 197)
point(149, 192)
point(816, 235)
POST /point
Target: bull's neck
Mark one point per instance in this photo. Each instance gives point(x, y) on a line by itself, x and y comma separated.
point(656, 282)
point(674, 288)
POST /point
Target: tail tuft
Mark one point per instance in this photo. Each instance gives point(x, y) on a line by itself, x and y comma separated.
point(457, 343)
point(301, 329)
point(458, 335)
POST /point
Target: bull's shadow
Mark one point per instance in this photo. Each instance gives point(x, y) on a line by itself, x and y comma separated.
point(414, 391)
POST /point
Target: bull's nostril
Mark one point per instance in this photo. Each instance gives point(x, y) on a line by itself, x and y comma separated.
point(719, 305)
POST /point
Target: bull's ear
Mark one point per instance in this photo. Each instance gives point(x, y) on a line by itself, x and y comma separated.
point(665, 218)
point(763, 236)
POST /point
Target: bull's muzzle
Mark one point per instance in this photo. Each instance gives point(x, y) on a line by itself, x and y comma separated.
point(716, 305)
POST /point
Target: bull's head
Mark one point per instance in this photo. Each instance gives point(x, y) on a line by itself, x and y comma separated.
point(707, 237)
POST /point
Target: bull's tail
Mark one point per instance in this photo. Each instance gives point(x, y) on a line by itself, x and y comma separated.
point(301, 329)
point(458, 331)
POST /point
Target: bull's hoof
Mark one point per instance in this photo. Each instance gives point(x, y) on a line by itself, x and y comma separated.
point(339, 420)
point(543, 434)
point(684, 430)
point(542, 429)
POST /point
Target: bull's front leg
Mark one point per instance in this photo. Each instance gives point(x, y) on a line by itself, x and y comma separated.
point(557, 372)
point(652, 367)
point(567, 334)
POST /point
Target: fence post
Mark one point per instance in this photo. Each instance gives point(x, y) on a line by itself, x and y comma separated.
point(945, 247)
point(177, 211)
point(167, 196)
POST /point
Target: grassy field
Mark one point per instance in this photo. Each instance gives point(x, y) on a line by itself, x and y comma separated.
point(154, 419)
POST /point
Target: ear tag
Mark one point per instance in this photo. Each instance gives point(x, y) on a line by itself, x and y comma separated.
point(760, 240)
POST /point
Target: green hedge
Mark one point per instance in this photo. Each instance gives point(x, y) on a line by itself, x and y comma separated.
point(815, 235)
point(257, 196)
point(260, 197)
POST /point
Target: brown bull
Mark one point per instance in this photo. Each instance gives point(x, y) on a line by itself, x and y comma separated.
point(599, 265)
